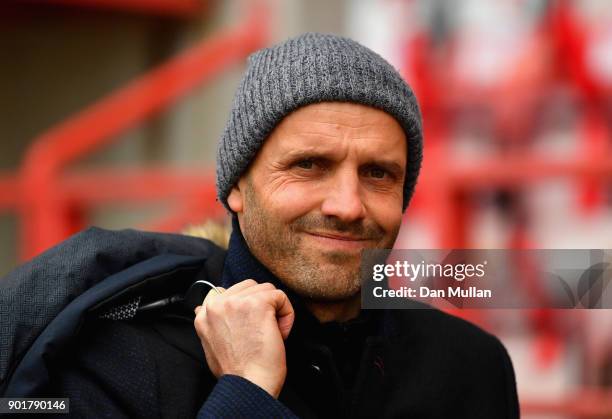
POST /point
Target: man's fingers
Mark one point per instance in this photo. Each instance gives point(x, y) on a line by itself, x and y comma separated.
point(285, 314)
point(268, 291)
point(266, 286)
point(242, 285)
point(281, 303)
point(271, 295)
point(212, 294)
point(246, 287)
point(208, 298)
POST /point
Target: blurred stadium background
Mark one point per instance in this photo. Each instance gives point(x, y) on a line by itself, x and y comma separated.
point(110, 111)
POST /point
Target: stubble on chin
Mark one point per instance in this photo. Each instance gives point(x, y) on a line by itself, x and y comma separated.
point(309, 272)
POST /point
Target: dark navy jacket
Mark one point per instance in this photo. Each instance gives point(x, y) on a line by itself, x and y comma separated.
point(72, 324)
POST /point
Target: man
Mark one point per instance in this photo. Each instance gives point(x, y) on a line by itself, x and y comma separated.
point(318, 161)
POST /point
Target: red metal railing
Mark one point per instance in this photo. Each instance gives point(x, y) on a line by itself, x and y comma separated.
point(53, 203)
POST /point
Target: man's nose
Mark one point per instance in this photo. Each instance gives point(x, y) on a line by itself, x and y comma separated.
point(344, 198)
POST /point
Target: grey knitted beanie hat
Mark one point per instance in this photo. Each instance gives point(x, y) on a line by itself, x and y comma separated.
point(308, 69)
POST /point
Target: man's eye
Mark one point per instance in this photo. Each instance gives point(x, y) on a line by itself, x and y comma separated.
point(377, 172)
point(305, 164)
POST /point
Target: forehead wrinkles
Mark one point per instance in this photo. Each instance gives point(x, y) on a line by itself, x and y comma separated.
point(331, 121)
point(341, 119)
point(363, 148)
point(329, 135)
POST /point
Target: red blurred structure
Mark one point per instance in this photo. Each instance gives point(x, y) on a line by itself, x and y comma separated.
point(554, 55)
point(578, 40)
point(53, 202)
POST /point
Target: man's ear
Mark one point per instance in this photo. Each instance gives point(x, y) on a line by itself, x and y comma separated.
point(235, 199)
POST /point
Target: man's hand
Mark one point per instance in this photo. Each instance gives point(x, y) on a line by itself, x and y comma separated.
point(242, 332)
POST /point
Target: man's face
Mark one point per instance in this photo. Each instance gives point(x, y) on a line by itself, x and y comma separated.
point(327, 183)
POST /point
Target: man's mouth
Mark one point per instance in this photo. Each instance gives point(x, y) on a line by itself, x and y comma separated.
point(339, 241)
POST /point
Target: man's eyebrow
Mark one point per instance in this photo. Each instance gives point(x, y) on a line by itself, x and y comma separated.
point(307, 152)
point(389, 165)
